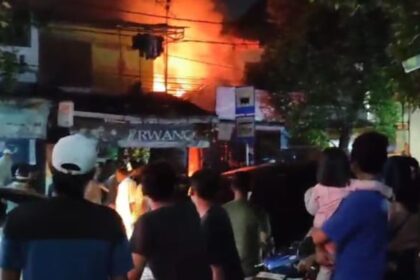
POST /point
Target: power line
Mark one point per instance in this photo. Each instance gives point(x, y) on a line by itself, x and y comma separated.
point(78, 29)
point(114, 9)
point(217, 43)
point(202, 62)
point(115, 33)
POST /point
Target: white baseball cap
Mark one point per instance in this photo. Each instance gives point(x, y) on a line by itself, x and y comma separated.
point(75, 154)
point(7, 152)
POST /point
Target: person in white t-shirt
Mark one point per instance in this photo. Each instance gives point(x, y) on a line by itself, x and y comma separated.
point(130, 202)
point(125, 203)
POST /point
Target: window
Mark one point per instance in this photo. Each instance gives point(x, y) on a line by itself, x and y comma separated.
point(65, 62)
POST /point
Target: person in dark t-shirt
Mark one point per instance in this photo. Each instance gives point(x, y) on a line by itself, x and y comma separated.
point(221, 248)
point(169, 239)
point(66, 237)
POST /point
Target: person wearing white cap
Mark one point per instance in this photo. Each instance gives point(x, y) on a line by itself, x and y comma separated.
point(6, 164)
point(66, 237)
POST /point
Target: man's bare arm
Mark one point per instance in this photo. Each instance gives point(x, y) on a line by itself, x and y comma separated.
point(322, 241)
point(319, 237)
point(9, 275)
point(139, 265)
point(217, 272)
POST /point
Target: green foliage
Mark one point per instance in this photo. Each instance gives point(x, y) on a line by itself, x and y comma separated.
point(332, 56)
point(8, 71)
point(8, 61)
point(404, 17)
point(136, 155)
point(4, 13)
point(382, 104)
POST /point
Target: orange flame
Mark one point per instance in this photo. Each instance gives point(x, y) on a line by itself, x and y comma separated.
point(194, 66)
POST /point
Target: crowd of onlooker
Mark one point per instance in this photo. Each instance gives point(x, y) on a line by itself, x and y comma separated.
point(365, 208)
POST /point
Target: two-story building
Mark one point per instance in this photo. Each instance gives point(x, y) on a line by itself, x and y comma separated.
point(94, 65)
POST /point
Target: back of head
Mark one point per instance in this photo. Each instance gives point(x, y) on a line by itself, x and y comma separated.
point(206, 183)
point(158, 181)
point(73, 164)
point(334, 168)
point(137, 167)
point(241, 182)
point(398, 176)
point(23, 173)
point(370, 152)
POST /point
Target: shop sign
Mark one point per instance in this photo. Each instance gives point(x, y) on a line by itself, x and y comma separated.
point(411, 64)
point(24, 119)
point(245, 129)
point(161, 135)
point(245, 101)
point(245, 114)
point(143, 135)
point(65, 117)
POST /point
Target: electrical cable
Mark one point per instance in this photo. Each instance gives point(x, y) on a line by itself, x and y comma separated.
point(115, 9)
point(201, 62)
point(78, 29)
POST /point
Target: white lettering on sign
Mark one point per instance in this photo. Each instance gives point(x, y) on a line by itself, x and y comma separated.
point(161, 135)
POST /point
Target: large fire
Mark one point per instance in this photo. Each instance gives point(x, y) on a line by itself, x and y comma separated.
point(198, 62)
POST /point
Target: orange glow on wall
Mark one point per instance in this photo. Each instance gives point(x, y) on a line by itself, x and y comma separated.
point(195, 160)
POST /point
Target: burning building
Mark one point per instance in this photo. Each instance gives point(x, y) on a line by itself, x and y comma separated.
point(198, 55)
point(86, 46)
point(204, 58)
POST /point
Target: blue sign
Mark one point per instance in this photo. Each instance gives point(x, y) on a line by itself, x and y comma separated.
point(245, 101)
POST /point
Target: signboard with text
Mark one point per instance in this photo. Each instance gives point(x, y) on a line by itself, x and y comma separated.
point(24, 119)
point(245, 114)
point(245, 129)
point(144, 135)
point(65, 117)
point(411, 64)
point(245, 101)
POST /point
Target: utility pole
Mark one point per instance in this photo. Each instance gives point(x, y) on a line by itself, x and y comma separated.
point(167, 9)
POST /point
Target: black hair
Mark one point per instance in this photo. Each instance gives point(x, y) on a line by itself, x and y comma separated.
point(158, 181)
point(22, 169)
point(334, 168)
point(71, 185)
point(136, 164)
point(370, 152)
point(241, 181)
point(398, 176)
point(206, 183)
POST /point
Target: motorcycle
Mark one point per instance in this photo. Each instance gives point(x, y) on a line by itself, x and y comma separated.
point(284, 264)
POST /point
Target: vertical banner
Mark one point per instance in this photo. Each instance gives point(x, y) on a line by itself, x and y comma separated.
point(245, 120)
point(65, 117)
point(245, 101)
point(245, 128)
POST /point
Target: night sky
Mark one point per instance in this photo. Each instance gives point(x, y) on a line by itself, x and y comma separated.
point(232, 8)
point(237, 7)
